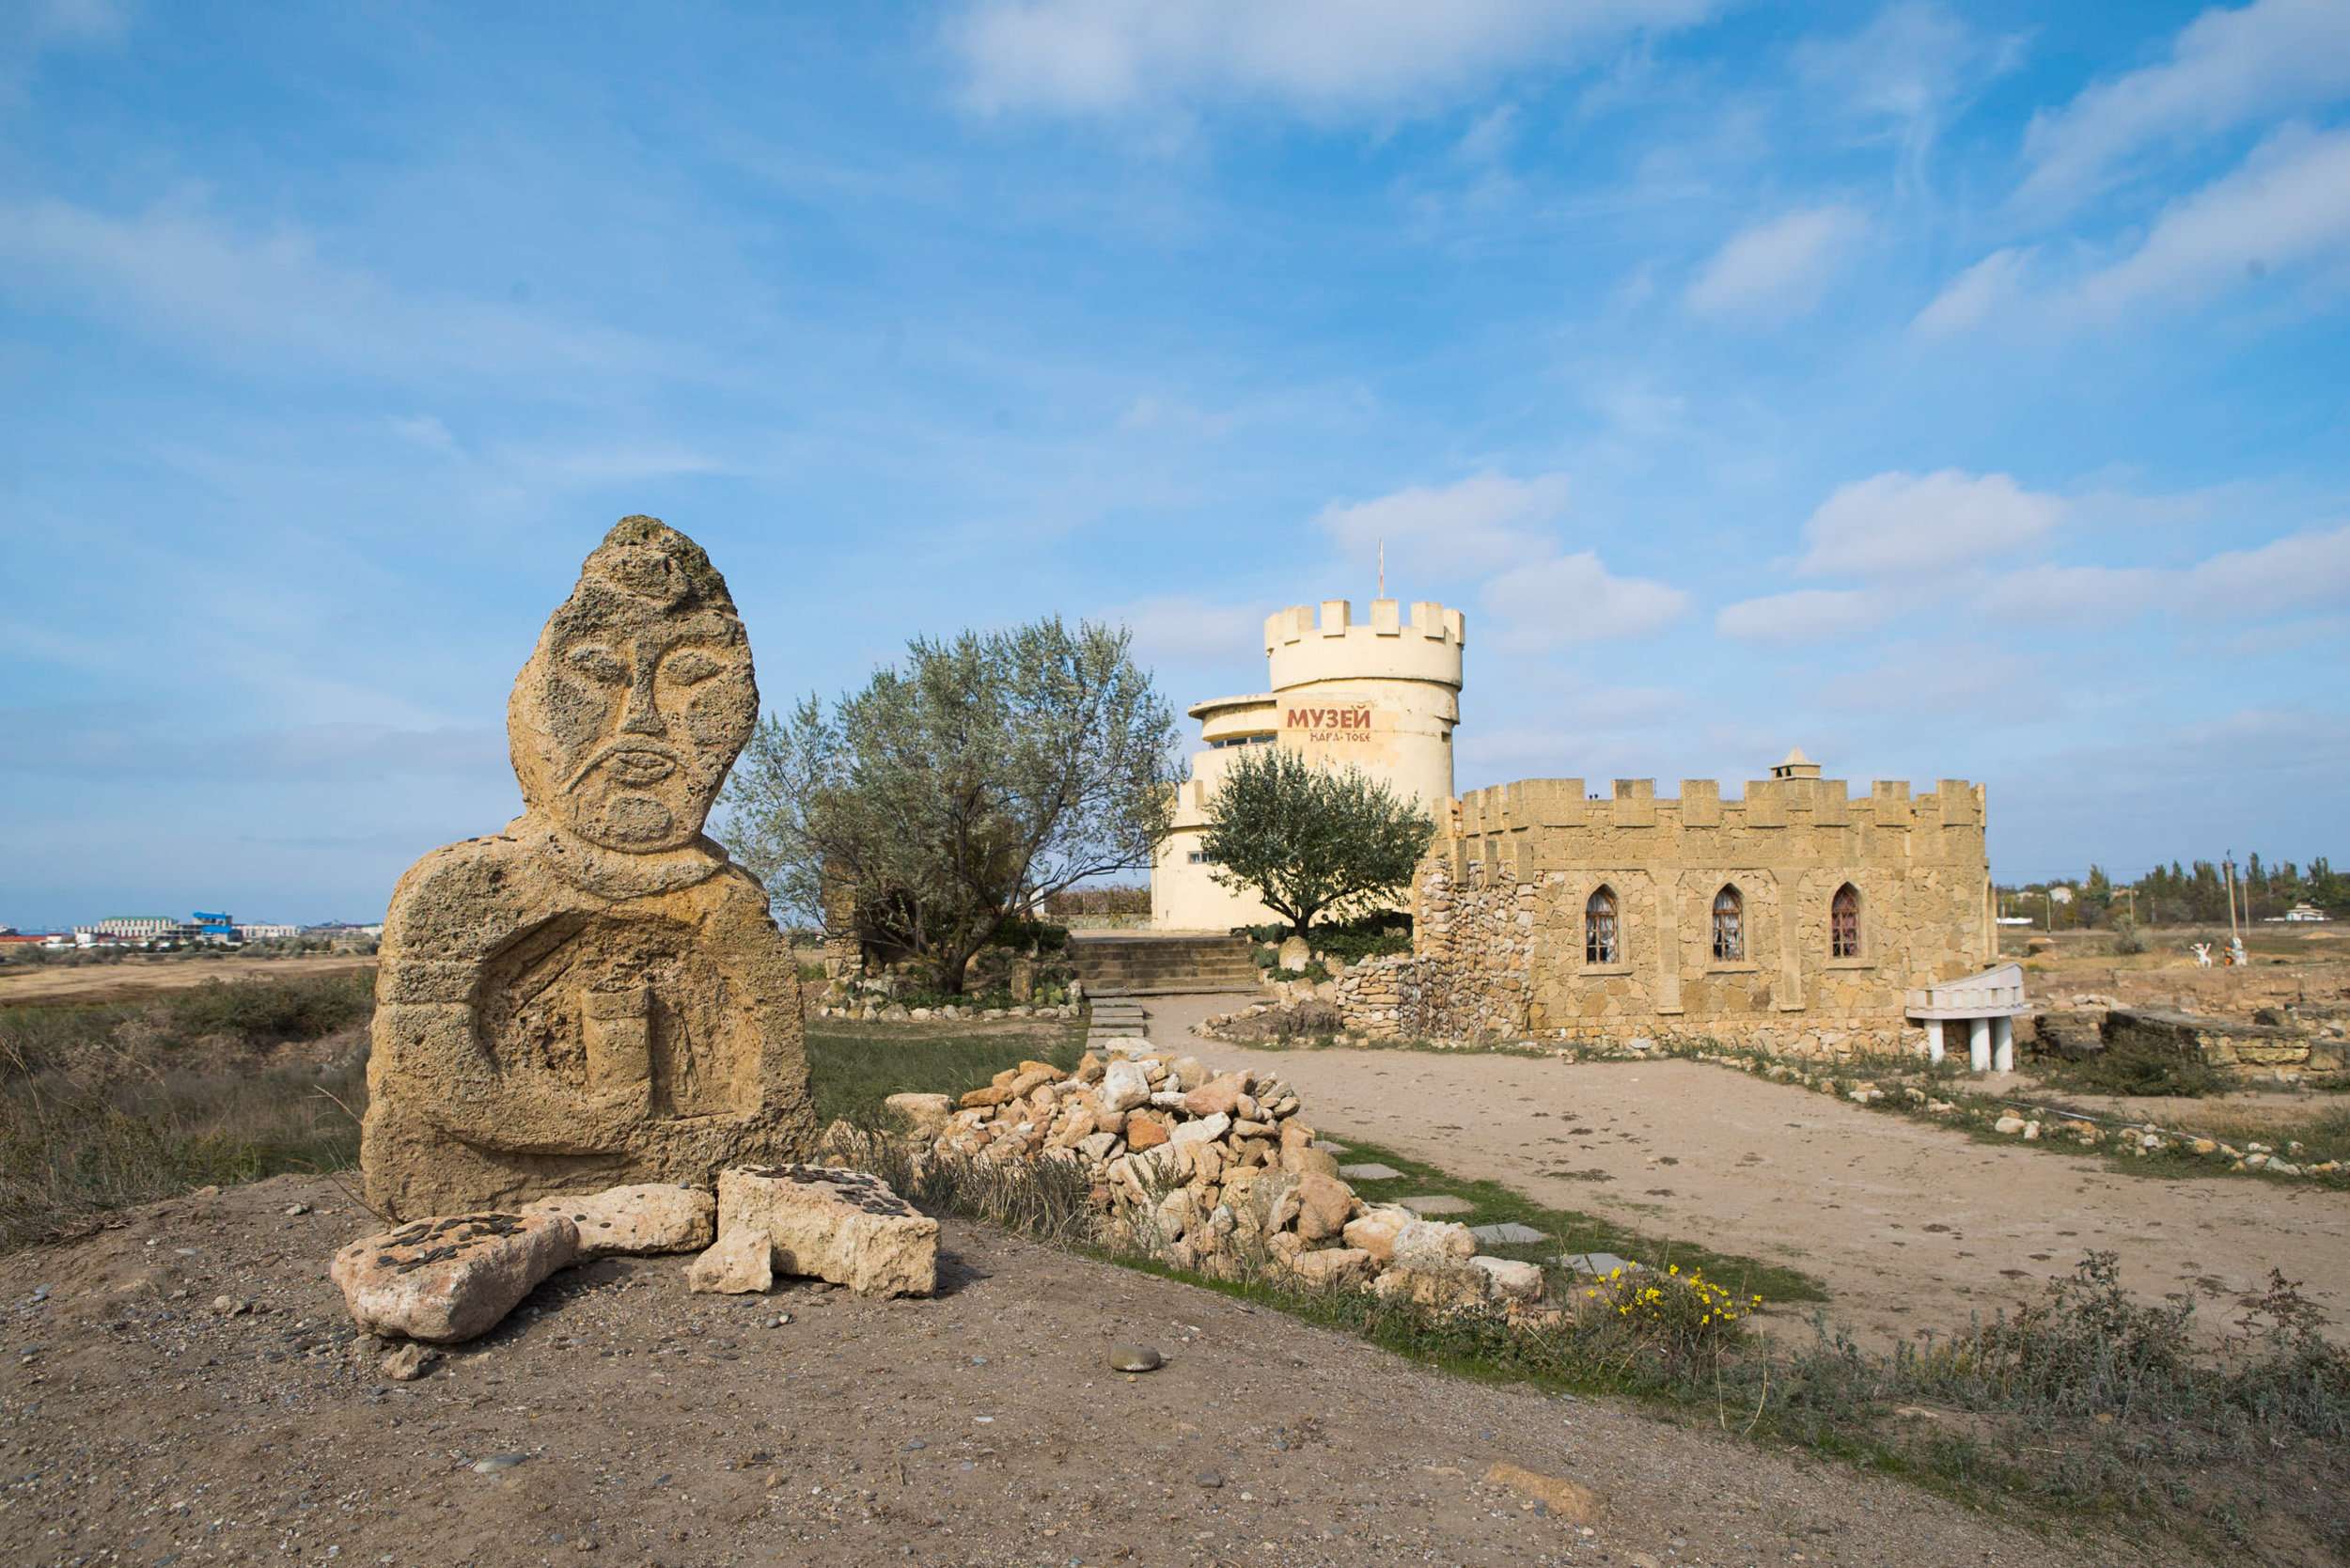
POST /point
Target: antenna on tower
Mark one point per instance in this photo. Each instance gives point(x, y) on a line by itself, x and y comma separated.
point(1382, 569)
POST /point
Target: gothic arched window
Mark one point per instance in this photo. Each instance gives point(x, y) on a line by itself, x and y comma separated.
point(1729, 926)
point(1843, 923)
point(1598, 928)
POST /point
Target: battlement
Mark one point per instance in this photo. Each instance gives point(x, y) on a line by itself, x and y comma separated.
point(1306, 643)
point(1779, 802)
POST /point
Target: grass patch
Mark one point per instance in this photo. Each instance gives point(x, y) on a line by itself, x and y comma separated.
point(2086, 1405)
point(857, 1066)
point(1569, 1230)
point(72, 1149)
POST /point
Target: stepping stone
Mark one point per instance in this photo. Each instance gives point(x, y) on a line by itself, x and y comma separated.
point(1508, 1234)
point(1372, 1172)
point(1328, 1148)
point(1429, 1203)
point(1596, 1264)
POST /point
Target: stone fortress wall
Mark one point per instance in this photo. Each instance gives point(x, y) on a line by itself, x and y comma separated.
point(1500, 906)
point(1382, 694)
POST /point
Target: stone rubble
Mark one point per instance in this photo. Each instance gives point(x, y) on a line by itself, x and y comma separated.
point(1218, 1172)
point(448, 1279)
point(633, 1221)
point(441, 1280)
point(835, 1224)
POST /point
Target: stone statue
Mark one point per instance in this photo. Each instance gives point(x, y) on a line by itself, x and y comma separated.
point(596, 995)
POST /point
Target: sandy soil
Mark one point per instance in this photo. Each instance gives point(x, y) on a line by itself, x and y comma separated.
point(979, 1428)
point(1911, 1226)
point(136, 977)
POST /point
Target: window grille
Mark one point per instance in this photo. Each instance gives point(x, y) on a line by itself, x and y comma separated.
point(1599, 927)
point(1730, 927)
point(1843, 923)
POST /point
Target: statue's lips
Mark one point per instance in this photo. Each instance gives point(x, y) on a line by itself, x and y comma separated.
point(635, 765)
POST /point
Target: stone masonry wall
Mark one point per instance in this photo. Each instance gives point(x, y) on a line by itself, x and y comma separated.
point(1499, 908)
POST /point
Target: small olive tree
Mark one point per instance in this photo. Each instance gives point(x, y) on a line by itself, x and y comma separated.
point(958, 791)
point(1311, 839)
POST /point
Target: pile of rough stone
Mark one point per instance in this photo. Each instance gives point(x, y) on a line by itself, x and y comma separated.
point(1214, 1172)
point(867, 1010)
point(450, 1277)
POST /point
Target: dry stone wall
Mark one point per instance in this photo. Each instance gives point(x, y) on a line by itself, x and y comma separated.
point(1220, 1173)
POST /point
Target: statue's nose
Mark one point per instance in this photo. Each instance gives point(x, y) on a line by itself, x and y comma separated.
point(643, 717)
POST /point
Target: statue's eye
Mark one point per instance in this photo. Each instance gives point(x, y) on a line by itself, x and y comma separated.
point(690, 667)
point(598, 663)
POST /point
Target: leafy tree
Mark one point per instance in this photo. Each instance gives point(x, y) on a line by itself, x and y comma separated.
point(958, 791)
point(1309, 839)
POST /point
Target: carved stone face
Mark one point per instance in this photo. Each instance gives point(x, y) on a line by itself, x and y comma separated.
point(638, 697)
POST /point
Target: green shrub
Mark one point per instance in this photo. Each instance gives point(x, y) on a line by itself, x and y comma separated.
point(1373, 936)
point(1042, 936)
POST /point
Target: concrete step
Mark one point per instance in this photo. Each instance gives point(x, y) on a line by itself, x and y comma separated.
point(1185, 988)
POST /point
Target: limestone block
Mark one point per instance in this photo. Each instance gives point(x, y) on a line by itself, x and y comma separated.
point(633, 1221)
point(1206, 1130)
point(1375, 1229)
point(743, 1263)
point(841, 1225)
point(1450, 1285)
point(1324, 1205)
point(450, 1278)
point(1220, 1096)
point(1124, 1086)
point(1510, 1281)
point(1434, 1243)
point(922, 1115)
point(595, 996)
point(1331, 1266)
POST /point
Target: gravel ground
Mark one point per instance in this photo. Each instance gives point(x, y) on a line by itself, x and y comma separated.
point(1909, 1225)
point(615, 1414)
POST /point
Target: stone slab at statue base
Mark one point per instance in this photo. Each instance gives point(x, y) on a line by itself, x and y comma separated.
point(636, 1221)
point(450, 1278)
point(835, 1224)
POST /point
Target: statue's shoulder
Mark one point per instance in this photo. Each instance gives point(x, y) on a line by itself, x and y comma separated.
point(471, 871)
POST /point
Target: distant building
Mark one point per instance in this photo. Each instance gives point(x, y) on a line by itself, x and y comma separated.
point(214, 928)
point(2300, 914)
point(253, 933)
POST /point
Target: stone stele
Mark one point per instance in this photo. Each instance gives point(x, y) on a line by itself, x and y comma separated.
point(595, 996)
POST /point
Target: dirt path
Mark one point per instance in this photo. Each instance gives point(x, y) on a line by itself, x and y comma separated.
point(979, 1428)
point(134, 978)
point(1910, 1226)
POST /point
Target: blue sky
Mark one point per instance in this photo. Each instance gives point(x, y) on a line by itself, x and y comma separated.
point(1953, 391)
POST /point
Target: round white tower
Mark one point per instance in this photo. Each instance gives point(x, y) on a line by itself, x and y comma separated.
point(1382, 694)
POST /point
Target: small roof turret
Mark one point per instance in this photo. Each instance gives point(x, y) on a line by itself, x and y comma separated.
point(1795, 765)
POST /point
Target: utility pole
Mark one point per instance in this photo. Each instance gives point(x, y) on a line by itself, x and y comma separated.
point(2233, 940)
point(1382, 569)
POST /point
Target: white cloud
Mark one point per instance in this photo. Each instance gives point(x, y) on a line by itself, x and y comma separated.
point(1806, 614)
point(2304, 571)
point(425, 430)
point(1776, 269)
point(1183, 629)
point(2061, 592)
point(1893, 523)
point(1326, 57)
point(1907, 71)
point(1475, 525)
point(1991, 285)
point(2227, 68)
point(2288, 202)
point(2297, 572)
point(1574, 599)
point(274, 296)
